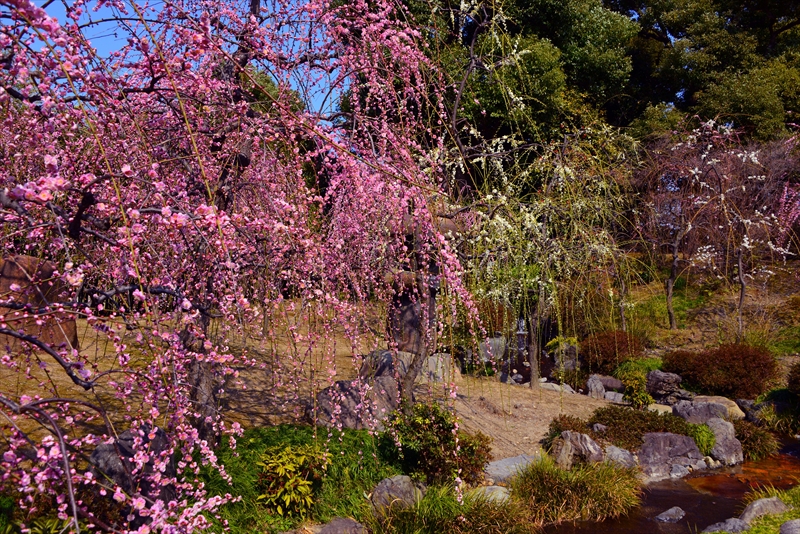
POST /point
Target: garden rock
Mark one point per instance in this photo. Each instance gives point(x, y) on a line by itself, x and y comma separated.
point(659, 408)
point(729, 525)
point(610, 383)
point(595, 387)
point(493, 349)
point(769, 506)
point(791, 527)
point(397, 491)
point(385, 363)
point(663, 386)
point(568, 359)
point(117, 466)
point(439, 368)
point(350, 404)
point(551, 387)
point(615, 396)
point(699, 413)
point(574, 447)
point(56, 330)
point(567, 388)
point(501, 471)
point(673, 515)
point(492, 494)
point(599, 428)
point(662, 450)
point(727, 448)
point(734, 412)
point(342, 525)
point(620, 457)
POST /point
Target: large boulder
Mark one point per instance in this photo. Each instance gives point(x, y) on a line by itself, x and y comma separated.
point(664, 455)
point(502, 471)
point(595, 387)
point(574, 447)
point(620, 457)
point(727, 448)
point(29, 280)
point(699, 413)
point(396, 492)
point(439, 368)
point(383, 362)
point(767, 506)
point(357, 404)
point(114, 462)
point(734, 412)
point(661, 385)
point(610, 383)
point(791, 527)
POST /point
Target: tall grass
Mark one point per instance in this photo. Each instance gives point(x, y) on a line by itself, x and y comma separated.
point(589, 491)
point(439, 512)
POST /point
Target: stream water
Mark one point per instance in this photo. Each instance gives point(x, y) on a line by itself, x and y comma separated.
point(707, 497)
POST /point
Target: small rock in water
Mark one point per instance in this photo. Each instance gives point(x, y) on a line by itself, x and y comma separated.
point(673, 515)
point(791, 527)
point(729, 525)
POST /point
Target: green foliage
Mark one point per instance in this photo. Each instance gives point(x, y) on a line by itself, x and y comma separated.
point(703, 437)
point(289, 475)
point(586, 492)
point(424, 441)
point(635, 381)
point(786, 340)
point(780, 412)
point(642, 365)
point(731, 370)
point(353, 471)
point(626, 426)
point(757, 443)
point(439, 511)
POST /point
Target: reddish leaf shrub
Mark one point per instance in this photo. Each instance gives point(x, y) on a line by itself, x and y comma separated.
point(794, 379)
point(606, 350)
point(733, 370)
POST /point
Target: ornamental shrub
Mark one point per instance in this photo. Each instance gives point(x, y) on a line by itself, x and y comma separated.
point(426, 442)
point(733, 370)
point(606, 350)
point(757, 443)
point(289, 475)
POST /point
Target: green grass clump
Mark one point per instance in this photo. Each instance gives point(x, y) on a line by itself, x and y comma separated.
point(757, 443)
point(703, 437)
point(439, 511)
point(354, 470)
point(781, 412)
point(642, 365)
point(586, 492)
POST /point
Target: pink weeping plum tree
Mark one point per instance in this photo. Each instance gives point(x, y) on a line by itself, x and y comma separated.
point(196, 175)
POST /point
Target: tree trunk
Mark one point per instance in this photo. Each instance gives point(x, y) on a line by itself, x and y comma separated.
point(670, 284)
point(202, 381)
point(742, 289)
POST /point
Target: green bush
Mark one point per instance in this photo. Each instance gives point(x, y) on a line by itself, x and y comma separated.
point(424, 441)
point(732, 370)
point(635, 381)
point(289, 475)
point(606, 350)
point(702, 436)
point(586, 492)
point(757, 443)
point(794, 379)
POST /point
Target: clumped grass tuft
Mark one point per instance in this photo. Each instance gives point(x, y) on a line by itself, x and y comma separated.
point(587, 492)
point(757, 443)
point(353, 471)
point(440, 512)
point(703, 437)
point(781, 412)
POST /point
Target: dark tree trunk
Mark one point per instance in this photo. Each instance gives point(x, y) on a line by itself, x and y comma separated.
point(742, 289)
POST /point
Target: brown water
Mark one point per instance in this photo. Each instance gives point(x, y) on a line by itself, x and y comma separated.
point(706, 498)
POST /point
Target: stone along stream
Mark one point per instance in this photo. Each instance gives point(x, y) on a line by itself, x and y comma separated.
point(707, 497)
